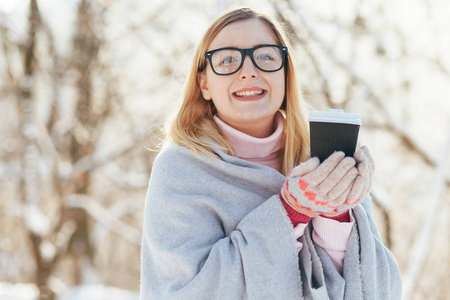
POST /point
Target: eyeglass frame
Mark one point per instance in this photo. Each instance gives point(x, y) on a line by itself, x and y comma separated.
point(244, 53)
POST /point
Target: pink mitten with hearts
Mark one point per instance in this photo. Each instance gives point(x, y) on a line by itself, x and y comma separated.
point(362, 184)
point(315, 188)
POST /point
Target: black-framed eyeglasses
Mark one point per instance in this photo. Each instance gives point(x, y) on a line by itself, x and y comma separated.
point(227, 61)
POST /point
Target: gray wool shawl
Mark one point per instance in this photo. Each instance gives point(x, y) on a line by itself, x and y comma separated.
point(214, 228)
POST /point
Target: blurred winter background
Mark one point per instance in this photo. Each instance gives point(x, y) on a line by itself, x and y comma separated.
point(86, 85)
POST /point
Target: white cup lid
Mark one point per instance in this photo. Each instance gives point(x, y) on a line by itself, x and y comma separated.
point(335, 116)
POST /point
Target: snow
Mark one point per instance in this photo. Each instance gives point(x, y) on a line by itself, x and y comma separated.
point(19, 291)
point(26, 291)
point(98, 292)
point(35, 220)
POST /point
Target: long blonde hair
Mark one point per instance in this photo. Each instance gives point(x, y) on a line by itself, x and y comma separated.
point(194, 119)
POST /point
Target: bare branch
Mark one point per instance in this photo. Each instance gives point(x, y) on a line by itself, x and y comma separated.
point(6, 46)
point(391, 123)
point(287, 18)
point(92, 161)
point(104, 217)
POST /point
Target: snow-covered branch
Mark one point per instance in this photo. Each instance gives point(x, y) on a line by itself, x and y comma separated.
point(104, 217)
point(299, 20)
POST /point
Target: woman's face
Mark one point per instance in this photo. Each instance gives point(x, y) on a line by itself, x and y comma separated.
point(248, 99)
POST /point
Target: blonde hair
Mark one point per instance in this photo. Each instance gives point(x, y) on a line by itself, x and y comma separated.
point(194, 120)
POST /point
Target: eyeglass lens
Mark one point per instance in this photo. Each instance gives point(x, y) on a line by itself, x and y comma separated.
point(227, 61)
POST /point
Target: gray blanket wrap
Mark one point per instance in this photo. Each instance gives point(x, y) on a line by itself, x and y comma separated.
point(214, 228)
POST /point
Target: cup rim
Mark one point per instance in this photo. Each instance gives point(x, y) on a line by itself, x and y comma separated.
point(335, 116)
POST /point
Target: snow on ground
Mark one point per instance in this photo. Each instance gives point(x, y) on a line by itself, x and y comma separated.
point(23, 291)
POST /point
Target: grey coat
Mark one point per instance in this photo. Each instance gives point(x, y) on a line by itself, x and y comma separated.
point(214, 228)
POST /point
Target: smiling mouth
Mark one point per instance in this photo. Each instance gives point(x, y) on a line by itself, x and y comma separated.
point(249, 93)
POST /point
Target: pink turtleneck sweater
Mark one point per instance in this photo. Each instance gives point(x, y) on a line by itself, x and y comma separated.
point(331, 234)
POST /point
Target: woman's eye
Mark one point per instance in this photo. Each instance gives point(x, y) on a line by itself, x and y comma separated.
point(265, 57)
point(228, 60)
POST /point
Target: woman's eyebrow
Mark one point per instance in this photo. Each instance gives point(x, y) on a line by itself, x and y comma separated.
point(256, 45)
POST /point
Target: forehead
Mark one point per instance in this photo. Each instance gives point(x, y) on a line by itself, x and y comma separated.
point(244, 34)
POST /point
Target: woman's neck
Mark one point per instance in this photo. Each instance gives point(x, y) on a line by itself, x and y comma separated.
point(259, 130)
point(265, 151)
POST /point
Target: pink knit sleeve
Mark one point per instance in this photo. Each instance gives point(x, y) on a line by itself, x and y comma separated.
point(333, 237)
point(298, 232)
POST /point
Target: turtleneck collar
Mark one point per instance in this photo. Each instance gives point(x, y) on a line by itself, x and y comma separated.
point(265, 151)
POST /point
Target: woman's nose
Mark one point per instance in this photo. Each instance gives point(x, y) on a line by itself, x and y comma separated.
point(248, 69)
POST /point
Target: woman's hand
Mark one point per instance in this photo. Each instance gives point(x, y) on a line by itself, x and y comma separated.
point(315, 188)
point(362, 183)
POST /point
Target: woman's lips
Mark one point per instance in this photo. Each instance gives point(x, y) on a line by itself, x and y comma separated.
point(249, 94)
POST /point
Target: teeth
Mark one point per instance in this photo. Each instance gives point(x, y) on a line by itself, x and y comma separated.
point(249, 93)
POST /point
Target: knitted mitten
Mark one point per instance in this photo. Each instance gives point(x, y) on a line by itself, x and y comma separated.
point(362, 183)
point(315, 188)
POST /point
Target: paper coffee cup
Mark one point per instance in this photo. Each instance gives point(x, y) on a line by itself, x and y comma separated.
point(333, 130)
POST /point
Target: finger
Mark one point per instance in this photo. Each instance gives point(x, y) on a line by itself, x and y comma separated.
point(359, 155)
point(325, 168)
point(363, 154)
point(369, 157)
point(357, 189)
point(305, 167)
point(342, 185)
point(339, 200)
point(366, 166)
point(371, 165)
point(365, 172)
point(336, 175)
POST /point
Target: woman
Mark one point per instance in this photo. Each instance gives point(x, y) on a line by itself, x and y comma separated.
point(222, 221)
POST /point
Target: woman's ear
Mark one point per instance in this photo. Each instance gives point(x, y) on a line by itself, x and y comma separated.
point(203, 86)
